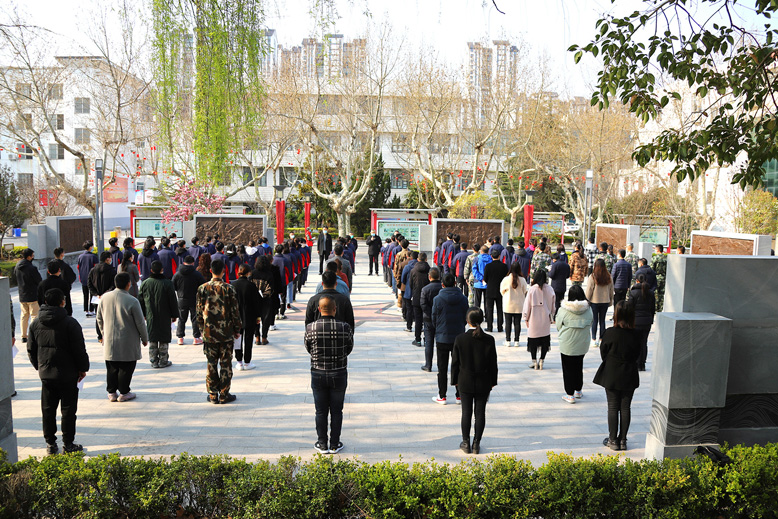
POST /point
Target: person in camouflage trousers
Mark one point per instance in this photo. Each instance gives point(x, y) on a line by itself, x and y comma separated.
point(219, 322)
point(632, 259)
point(467, 273)
point(659, 265)
point(604, 256)
point(540, 260)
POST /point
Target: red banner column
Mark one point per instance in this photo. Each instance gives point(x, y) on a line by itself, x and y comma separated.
point(307, 215)
point(529, 215)
point(280, 214)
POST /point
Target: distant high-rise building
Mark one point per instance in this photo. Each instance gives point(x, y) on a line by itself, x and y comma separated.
point(505, 63)
point(269, 63)
point(354, 57)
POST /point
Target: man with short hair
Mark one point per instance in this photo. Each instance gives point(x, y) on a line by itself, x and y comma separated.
point(419, 278)
point(54, 280)
point(496, 246)
point(458, 268)
point(329, 342)
point(401, 259)
point(469, 289)
point(101, 277)
point(428, 294)
point(195, 250)
point(343, 312)
point(67, 271)
point(591, 253)
point(57, 351)
point(373, 249)
point(603, 255)
point(407, 291)
point(186, 282)
point(116, 252)
point(341, 286)
point(338, 250)
point(494, 273)
point(540, 259)
point(632, 259)
point(523, 258)
point(86, 261)
point(449, 312)
point(659, 266)
point(158, 302)
point(27, 279)
point(558, 275)
point(650, 275)
point(219, 319)
point(622, 277)
point(323, 247)
point(167, 257)
point(121, 329)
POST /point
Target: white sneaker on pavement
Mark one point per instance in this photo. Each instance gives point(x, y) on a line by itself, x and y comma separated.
point(507, 344)
point(569, 399)
point(272, 328)
point(248, 366)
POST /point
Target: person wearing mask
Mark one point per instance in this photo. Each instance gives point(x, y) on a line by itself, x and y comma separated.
point(341, 281)
point(420, 278)
point(121, 329)
point(496, 246)
point(116, 252)
point(147, 256)
point(538, 314)
point(67, 271)
point(195, 250)
point(573, 321)
point(168, 258)
point(219, 321)
point(267, 278)
point(343, 309)
point(618, 373)
point(474, 373)
point(458, 268)
point(622, 277)
point(210, 246)
point(131, 269)
point(494, 274)
point(560, 271)
point(428, 294)
point(599, 293)
point(642, 298)
point(101, 277)
point(181, 252)
point(54, 280)
point(514, 289)
point(329, 341)
point(373, 249)
point(591, 254)
point(130, 250)
point(323, 247)
point(449, 312)
point(632, 259)
point(186, 282)
point(86, 261)
point(159, 305)
point(578, 265)
point(338, 251)
point(57, 352)
point(479, 266)
point(249, 307)
point(604, 255)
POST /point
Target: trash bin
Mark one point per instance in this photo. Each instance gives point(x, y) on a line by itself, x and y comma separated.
point(17, 232)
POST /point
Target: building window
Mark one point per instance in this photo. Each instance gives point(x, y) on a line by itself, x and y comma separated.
point(24, 90)
point(400, 144)
point(56, 151)
point(82, 105)
point(82, 135)
point(25, 152)
point(140, 186)
point(25, 180)
point(399, 179)
point(79, 169)
point(55, 91)
point(57, 121)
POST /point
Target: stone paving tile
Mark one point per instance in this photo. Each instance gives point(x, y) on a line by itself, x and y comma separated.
point(388, 413)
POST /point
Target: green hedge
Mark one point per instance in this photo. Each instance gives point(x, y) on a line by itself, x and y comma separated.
point(327, 487)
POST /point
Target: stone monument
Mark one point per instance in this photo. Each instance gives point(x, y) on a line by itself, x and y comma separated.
point(7, 434)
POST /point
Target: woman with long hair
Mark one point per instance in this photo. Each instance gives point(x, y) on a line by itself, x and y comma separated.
point(513, 289)
point(578, 265)
point(128, 265)
point(573, 321)
point(618, 373)
point(538, 314)
point(599, 293)
point(642, 298)
point(474, 373)
point(204, 265)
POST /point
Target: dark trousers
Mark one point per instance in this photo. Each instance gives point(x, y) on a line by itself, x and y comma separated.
point(418, 320)
point(473, 403)
point(407, 310)
point(329, 392)
point(246, 343)
point(429, 343)
point(282, 309)
point(59, 394)
point(372, 260)
point(599, 310)
point(642, 335)
point(444, 352)
point(187, 312)
point(489, 314)
point(322, 259)
point(478, 294)
point(572, 372)
point(463, 286)
point(88, 306)
point(619, 294)
point(267, 315)
point(558, 298)
point(512, 322)
point(619, 413)
point(119, 375)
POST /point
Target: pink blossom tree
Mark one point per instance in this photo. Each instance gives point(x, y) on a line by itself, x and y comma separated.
point(188, 199)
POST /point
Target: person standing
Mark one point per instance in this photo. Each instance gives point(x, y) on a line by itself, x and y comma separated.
point(121, 329)
point(622, 277)
point(605, 256)
point(458, 267)
point(642, 298)
point(116, 252)
point(401, 259)
point(195, 250)
point(474, 373)
point(343, 311)
point(130, 250)
point(67, 271)
point(449, 312)
point(407, 291)
point(659, 266)
point(469, 276)
point(632, 259)
point(168, 258)
point(479, 266)
point(538, 314)
point(579, 265)
point(57, 352)
point(494, 273)
point(513, 288)
point(27, 279)
point(186, 282)
point(523, 258)
point(219, 321)
point(540, 260)
point(373, 250)
point(131, 269)
point(573, 321)
point(428, 294)
point(101, 277)
point(618, 373)
point(329, 342)
point(338, 252)
point(323, 247)
point(249, 307)
point(591, 254)
point(650, 275)
point(147, 256)
point(54, 280)
point(599, 293)
point(560, 271)
point(158, 302)
point(267, 278)
point(420, 278)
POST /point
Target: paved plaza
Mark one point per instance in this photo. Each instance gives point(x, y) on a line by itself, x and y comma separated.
point(388, 413)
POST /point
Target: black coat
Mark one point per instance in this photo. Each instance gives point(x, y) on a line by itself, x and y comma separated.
point(428, 294)
point(474, 363)
point(560, 271)
point(186, 282)
point(494, 273)
point(650, 276)
point(158, 302)
point(420, 278)
point(324, 244)
point(645, 307)
point(449, 310)
point(56, 346)
point(620, 350)
point(374, 245)
point(248, 301)
point(27, 279)
point(101, 279)
point(55, 282)
point(343, 310)
point(68, 274)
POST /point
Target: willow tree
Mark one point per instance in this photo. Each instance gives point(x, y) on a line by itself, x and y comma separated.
point(209, 89)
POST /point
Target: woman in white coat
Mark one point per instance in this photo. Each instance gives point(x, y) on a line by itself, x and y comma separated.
point(514, 290)
point(538, 315)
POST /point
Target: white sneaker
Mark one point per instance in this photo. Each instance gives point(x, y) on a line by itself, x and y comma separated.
point(507, 344)
point(272, 328)
point(438, 400)
point(593, 344)
point(597, 343)
point(240, 366)
point(248, 366)
point(578, 394)
point(569, 399)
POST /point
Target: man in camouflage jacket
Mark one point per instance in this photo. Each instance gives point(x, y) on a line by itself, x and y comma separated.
point(603, 255)
point(659, 265)
point(632, 259)
point(467, 273)
point(219, 322)
point(540, 260)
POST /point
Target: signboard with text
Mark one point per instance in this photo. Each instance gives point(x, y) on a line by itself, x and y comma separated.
point(408, 229)
point(655, 235)
point(142, 227)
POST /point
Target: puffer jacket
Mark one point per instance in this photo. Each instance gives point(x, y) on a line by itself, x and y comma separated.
point(479, 265)
point(419, 279)
point(56, 346)
point(645, 307)
point(27, 278)
point(573, 322)
point(524, 259)
point(449, 311)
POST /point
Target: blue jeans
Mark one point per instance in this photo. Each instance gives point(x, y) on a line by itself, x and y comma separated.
point(329, 392)
point(599, 310)
point(290, 293)
point(429, 343)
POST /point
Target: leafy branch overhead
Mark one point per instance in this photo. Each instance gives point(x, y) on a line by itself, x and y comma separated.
point(650, 56)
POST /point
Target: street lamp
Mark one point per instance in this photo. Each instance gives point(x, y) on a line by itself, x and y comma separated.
point(588, 204)
point(530, 196)
point(99, 205)
point(529, 216)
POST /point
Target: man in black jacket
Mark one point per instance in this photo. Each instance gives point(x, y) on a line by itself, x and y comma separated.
point(54, 280)
point(428, 294)
point(186, 282)
point(373, 250)
point(419, 279)
point(68, 274)
point(560, 271)
point(57, 350)
point(344, 311)
point(323, 247)
point(101, 277)
point(27, 279)
point(494, 273)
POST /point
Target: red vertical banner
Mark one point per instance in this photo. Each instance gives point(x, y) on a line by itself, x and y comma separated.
point(43, 198)
point(307, 215)
point(373, 221)
point(670, 235)
point(429, 218)
point(280, 214)
point(529, 215)
point(473, 212)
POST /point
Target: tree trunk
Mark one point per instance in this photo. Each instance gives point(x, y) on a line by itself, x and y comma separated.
point(512, 226)
point(344, 223)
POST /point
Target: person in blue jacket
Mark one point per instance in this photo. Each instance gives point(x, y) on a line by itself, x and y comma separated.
point(147, 256)
point(195, 250)
point(479, 264)
point(168, 258)
point(449, 310)
point(405, 281)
